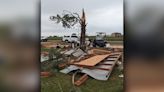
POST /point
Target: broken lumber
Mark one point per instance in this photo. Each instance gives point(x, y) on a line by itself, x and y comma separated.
point(92, 61)
point(81, 80)
point(45, 74)
point(62, 65)
point(100, 51)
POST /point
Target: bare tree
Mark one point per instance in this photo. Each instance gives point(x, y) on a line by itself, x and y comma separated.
point(69, 19)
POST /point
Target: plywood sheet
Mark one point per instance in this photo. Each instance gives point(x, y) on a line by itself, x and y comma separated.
point(117, 46)
point(92, 61)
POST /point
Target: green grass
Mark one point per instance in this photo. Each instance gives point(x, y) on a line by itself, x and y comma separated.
point(116, 42)
point(54, 38)
point(45, 49)
point(63, 81)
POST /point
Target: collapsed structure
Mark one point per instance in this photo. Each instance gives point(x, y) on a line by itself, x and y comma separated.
point(97, 66)
point(100, 69)
point(97, 63)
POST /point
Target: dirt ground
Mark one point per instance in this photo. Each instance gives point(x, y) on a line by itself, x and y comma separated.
point(54, 43)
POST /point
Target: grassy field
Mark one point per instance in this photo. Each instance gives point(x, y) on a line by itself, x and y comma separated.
point(44, 49)
point(62, 83)
point(115, 42)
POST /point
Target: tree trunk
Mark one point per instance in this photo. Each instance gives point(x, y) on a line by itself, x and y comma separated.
point(82, 37)
point(83, 30)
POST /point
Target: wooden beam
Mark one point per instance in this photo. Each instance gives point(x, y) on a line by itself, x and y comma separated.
point(113, 56)
point(81, 80)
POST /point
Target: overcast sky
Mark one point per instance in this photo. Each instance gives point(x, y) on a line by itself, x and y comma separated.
point(13, 9)
point(102, 16)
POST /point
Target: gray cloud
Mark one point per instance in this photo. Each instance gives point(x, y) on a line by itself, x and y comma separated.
point(12, 9)
point(102, 15)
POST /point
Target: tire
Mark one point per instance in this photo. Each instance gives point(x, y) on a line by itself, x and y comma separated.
point(94, 45)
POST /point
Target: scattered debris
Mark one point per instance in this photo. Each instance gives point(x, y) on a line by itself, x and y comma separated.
point(117, 48)
point(62, 65)
point(108, 45)
point(99, 51)
point(100, 70)
point(81, 80)
point(97, 63)
point(121, 76)
point(58, 46)
point(69, 52)
point(69, 69)
point(78, 53)
point(46, 74)
point(120, 65)
point(44, 56)
point(75, 52)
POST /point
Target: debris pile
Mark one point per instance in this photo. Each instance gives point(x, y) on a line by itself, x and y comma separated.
point(97, 63)
point(99, 66)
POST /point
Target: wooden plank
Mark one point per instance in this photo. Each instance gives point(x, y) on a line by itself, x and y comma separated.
point(113, 56)
point(92, 61)
point(81, 80)
point(111, 68)
point(115, 46)
point(110, 59)
point(100, 51)
point(45, 74)
point(107, 62)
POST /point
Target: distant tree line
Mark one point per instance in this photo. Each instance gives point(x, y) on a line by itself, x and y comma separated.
point(108, 38)
point(54, 38)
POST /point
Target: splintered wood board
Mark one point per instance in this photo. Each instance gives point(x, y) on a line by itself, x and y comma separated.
point(92, 61)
